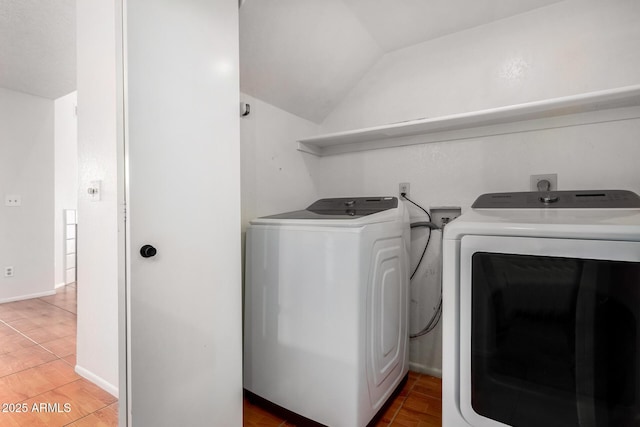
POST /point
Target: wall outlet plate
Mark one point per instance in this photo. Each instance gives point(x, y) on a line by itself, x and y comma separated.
point(442, 215)
point(8, 272)
point(535, 179)
point(12, 200)
point(403, 187)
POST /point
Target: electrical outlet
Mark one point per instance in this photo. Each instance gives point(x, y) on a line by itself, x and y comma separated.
point(442, 215)
point(552, 178)
point(12, 200)
point(403, 187)
point(8, 272)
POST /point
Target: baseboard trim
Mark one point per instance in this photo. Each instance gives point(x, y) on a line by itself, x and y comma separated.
point(97, 380)
point(61, 284)
point(29, 296)
point(424, 369)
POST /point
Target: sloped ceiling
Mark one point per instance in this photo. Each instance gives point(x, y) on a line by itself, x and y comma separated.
point(303, 56)
point(38, 46)
point(300, 55)
point(395, 24)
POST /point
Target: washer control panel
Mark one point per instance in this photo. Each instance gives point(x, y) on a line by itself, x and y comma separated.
point(342, 208)
point(353, 205)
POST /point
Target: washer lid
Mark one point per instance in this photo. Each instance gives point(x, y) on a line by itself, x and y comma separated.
point(341, 208)
point(595, 199)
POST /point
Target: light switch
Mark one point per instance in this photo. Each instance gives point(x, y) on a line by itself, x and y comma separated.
point(94, 190)
point(12, 200)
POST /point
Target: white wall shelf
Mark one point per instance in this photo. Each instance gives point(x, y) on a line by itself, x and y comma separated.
point(593, 107)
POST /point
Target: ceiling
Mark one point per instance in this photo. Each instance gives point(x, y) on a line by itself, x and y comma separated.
point(38, 46)
point(302, 56)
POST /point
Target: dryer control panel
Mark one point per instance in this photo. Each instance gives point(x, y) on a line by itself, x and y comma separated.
point(595, 199)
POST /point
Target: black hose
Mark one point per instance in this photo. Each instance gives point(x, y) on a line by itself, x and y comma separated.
point(437, 315)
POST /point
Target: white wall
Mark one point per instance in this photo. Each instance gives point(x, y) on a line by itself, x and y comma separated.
point(66, 174)
point(566, 48)
point(275, 176)
point(97, 356)
point(26, 169)
point(563, 49)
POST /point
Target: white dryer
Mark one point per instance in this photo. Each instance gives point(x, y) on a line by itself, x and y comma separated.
point(542, 311)
point(326, 308)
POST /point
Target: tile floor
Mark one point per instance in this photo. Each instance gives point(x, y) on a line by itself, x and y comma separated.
point(38, 355)
point(37, 359)
point(419, 404)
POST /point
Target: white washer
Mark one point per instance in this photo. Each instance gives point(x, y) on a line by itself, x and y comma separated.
point(326, 308)
point(542, 311)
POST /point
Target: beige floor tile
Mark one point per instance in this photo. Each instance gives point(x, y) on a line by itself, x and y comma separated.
point(14, 342)
point(61, 347)
point(24, 359)
point(105, 417)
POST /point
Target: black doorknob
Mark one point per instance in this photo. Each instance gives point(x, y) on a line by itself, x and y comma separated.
point(148, 251)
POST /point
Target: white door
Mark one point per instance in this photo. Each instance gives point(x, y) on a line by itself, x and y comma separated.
point(184, 355)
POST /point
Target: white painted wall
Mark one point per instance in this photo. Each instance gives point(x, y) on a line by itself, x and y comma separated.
point(563, 49)
point(97, 356)
point(567, 48)
point(66, 174)
point(26, 169)
point(275, 177)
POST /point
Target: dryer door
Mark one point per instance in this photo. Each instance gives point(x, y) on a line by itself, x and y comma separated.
point(549, 332)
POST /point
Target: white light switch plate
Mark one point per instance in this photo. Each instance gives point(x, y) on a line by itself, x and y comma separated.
point(95, 191)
